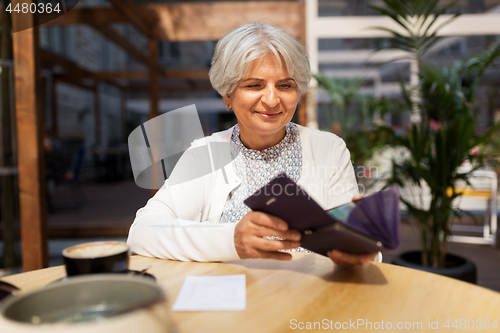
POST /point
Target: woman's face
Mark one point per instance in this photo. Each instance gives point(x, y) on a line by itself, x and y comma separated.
point(264, 103)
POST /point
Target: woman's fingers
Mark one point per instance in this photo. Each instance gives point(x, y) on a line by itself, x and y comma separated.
point(357, 197)
point(292, 235)
point(269, 221)
point(348, 260)
point(271, 245)
point(260, 224)
point(267, 253)
point(256, 247)
point(249, 233)
point(268, 225)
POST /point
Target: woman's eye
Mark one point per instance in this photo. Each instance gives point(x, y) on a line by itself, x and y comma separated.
point(286, 86)
point(253, 86)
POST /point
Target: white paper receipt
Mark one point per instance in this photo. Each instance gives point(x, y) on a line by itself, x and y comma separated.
point(212, 293)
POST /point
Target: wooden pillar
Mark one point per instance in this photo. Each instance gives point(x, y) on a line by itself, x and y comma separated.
point(97, 115)
point(302, 107)
point(311, 14)
point(32, 194)
point(7, 156)
point(302, 110)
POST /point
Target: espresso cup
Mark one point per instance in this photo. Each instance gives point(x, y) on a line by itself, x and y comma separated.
point(96, 257)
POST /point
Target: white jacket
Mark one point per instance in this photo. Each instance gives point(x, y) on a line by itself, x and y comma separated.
point(181, 221)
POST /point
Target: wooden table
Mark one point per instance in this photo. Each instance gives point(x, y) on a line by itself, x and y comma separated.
point(310, 290)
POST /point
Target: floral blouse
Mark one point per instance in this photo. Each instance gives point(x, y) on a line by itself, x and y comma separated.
point(256, 168)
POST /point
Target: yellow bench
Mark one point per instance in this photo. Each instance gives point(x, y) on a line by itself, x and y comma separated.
point(471, 192)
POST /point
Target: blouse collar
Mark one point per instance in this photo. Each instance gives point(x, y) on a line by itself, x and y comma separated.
point(268, 153)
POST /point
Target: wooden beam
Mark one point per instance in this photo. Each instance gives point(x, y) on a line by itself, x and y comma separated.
point(110, 77)
point(73, 80)
point(212, 20)
point(191, 20)
point(30, 153)
point(189, 74)
point(171, 87)
point(136, 75)
point(121, 41)
point(70, 66)
point(144, 19)
point(89, 15)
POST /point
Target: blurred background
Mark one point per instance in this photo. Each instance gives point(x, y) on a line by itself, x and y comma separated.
point(106, 67)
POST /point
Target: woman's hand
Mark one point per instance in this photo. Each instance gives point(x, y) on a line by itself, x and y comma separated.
point(249, 233)
point(348, 260)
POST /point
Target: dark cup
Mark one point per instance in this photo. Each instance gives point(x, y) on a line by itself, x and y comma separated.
point(96, 257)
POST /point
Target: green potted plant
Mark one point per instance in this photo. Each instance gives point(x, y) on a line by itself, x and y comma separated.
point(353, 116)
point(444, 134)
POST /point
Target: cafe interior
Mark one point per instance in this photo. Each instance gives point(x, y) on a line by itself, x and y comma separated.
point(412, 87)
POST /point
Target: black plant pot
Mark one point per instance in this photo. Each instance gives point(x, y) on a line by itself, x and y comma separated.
point(456, 267)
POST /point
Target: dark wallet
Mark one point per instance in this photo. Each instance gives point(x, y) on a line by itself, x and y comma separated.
point(366, 226)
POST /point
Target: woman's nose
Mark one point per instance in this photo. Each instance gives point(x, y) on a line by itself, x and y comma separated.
point(270, 97)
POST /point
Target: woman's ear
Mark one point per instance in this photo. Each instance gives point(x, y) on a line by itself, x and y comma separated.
point(227, 103)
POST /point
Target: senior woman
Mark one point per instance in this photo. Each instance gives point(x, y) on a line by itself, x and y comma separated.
point(261, 71)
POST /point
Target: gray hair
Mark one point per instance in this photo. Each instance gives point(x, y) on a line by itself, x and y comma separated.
point(236, 50)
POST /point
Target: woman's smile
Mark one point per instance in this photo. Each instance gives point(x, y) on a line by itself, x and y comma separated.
point(269, 115)
point(264, 102)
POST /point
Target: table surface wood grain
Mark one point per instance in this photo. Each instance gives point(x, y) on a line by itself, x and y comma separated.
point(311, 289)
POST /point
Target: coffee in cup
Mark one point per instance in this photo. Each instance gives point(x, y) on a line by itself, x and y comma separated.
point(96, 257)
